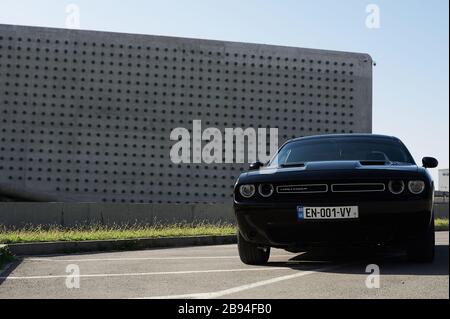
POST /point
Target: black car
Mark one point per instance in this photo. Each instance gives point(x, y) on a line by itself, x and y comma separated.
point(348, 189)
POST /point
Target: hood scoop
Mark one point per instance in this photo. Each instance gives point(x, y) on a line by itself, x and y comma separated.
point(295, 164)
point(374, 163)
point(333, 165)
point(336, 165)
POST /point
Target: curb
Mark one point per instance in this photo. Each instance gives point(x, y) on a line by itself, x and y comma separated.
point(67, 247)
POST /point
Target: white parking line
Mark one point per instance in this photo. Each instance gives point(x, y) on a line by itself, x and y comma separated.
point(144, 258)
point(230, 291)
point(148, 273)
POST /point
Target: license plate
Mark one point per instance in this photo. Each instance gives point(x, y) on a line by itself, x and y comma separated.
point(342, 212)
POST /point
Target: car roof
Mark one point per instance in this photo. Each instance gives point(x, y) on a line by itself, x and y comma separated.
point(328, 136)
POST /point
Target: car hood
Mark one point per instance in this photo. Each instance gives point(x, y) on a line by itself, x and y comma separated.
point(332, 170)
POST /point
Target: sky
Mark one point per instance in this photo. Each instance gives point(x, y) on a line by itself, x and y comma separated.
point(410, 47)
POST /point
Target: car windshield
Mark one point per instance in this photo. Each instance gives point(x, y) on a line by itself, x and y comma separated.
point(342, 149)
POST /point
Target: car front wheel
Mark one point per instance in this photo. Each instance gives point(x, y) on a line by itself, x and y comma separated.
point(252, 254)
point(422, 250)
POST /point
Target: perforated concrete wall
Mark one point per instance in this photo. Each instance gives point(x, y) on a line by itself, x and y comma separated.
point(86, 116)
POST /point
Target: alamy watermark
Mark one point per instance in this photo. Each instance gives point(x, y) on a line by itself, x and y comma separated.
point(222, 147)
point(373, 280)
point(72, 16)
point(73, 277)
point(373, 19)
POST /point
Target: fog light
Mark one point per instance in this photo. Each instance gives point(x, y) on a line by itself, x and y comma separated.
point(247, 191)
point(265, 190)
point(416, 187)
point(396, 187)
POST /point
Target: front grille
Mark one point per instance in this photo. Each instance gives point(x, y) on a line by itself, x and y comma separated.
point(358, 187)
point(299, 189)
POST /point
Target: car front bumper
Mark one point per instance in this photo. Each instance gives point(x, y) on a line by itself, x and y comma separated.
point(379, 222)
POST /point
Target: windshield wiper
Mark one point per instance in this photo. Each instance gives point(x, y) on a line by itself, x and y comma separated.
point(294, 164)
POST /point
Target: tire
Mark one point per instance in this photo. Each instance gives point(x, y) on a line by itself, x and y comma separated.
point(422, 250)
point(252, 254)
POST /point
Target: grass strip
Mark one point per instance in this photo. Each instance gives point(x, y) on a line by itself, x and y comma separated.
point(41, 234)
point(441, 224)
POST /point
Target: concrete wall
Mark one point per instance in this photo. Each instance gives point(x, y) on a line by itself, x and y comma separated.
point(15, 215)
point(86, 116)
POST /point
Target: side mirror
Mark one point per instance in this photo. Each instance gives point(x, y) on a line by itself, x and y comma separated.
point(255, 166)
point(429, 162)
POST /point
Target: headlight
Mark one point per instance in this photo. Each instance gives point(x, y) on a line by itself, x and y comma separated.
point(416, 187)
point(396, 187)
point(247, 191)
point(265, 190)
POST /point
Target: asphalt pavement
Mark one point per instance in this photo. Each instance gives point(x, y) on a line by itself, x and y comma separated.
point(217, 272)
